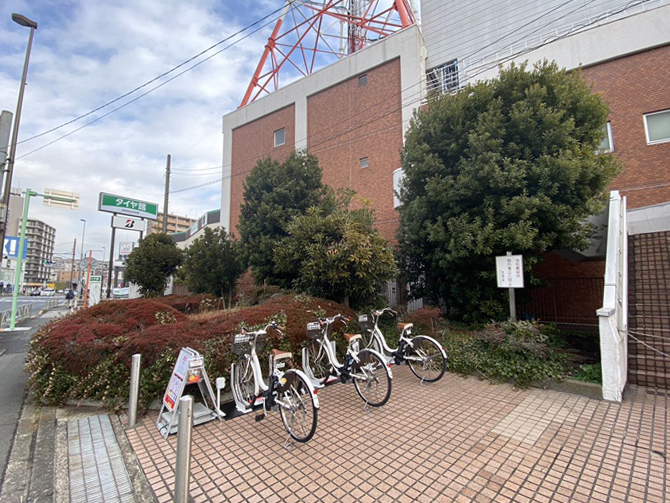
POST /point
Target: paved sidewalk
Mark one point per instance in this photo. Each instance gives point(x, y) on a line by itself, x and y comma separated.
point(458, 440)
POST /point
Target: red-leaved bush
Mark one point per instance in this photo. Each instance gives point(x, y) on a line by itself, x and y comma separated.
point(87, 355)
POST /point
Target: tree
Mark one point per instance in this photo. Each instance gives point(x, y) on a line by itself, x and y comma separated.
point(151, 264)
point(274, 193)
point(508, 164)
point(213, 263)
point(337, 254)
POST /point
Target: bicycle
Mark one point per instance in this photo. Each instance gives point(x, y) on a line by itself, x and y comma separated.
point(290, 391)
point(425, 357)
point(367, 369)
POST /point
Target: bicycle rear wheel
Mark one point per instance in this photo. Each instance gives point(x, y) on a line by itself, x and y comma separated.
point(243, 381)
point(318, 361)
point(298, 407)
point(426, 359)
point(372, 378)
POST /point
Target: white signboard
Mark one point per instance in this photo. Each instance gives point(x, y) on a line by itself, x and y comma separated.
point(126, 248)
point(509, 271)
point(130, 224)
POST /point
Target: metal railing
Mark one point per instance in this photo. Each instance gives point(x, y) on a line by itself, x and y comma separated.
point(22, 313)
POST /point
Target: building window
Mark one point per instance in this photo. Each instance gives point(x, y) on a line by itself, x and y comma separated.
point(657, 127)
point(280, 137)
point(607, 145)
point(363, 80)
point(444, 79)
point(363, 162)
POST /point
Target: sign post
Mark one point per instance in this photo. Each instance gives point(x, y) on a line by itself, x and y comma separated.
point(188, 369)
point(509, 273)
point(121, 205)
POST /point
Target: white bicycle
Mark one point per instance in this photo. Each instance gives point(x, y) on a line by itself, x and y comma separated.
point(366, 368)
point(290, 391)
point(426, 358)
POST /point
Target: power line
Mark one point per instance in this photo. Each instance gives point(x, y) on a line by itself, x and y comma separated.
point(192, 58)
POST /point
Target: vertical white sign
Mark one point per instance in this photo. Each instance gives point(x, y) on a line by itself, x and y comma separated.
point(509, 271)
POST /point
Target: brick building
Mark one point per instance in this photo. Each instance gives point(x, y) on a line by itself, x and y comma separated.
point(353, 114)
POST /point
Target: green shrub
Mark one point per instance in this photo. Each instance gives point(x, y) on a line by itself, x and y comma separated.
point(518, 352)
point(590, 373)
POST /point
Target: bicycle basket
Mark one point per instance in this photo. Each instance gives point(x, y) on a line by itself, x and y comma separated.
point(313, 329)
point(365, 322)
point(241, 344)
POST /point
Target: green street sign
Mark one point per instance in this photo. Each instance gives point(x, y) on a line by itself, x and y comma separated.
point(126, 206)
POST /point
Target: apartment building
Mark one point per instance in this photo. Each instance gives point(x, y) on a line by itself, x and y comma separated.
point(175, 223)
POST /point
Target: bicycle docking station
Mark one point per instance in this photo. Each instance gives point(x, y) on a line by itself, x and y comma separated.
point(189, 369)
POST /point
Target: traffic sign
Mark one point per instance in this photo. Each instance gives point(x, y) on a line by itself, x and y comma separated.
point(127, 206)
point(12, 247)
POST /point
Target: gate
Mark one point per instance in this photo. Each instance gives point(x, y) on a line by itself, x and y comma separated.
point(649, 309)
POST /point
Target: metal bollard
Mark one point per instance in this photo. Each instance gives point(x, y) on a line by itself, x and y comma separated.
point(134, 390)
point(183, 469)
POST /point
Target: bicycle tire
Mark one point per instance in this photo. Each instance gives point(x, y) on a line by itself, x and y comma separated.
point(243, 380)
point(318, 362)
point(425, 358)
point(298, 407)
point(372, 378)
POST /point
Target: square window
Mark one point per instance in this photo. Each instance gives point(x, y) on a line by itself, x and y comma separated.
point(363, 162)
point(280, 137)
point(657, 127)
point(607, 144)
point(363, 80)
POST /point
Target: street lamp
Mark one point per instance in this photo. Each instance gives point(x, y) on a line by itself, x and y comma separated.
point(4, 204)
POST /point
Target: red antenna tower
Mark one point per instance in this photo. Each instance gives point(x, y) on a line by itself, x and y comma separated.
point(312, 34)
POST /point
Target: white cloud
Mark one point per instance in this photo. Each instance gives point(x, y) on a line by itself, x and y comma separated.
point(85, 54)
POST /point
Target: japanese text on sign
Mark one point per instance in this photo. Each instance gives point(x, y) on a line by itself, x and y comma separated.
point(509, 271)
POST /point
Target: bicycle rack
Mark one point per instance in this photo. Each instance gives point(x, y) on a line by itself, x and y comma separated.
point(240, 405)
point(308, 370)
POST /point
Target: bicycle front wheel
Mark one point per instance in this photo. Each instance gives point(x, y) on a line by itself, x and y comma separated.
point(318, 361)
point(426, 358)
point(298, 407)
point(243, 381)
point(372, 378)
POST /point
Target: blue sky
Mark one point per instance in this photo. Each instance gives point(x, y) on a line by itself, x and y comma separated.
point(87, 53)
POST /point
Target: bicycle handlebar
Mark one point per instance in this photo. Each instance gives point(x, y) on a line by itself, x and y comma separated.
point(330, 321)
point(386, 309)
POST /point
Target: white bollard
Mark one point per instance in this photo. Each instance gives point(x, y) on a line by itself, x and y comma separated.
point(134, 390)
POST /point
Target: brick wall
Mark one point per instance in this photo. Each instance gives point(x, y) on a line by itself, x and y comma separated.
point(350, 121)
point(633, 86)
point(573, 293)
point(251, 143)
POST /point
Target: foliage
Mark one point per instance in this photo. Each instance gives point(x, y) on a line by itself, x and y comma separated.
point(213, 263)
point(520, 352)
point(151, 264)
point(505, 165)
point(590, 372)
point(274, 193)
point(337, 254)
point(87, 355)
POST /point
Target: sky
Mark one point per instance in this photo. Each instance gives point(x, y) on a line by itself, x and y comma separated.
point(88, 53)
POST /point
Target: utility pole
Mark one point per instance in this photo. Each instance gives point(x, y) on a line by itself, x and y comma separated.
point(167, 192)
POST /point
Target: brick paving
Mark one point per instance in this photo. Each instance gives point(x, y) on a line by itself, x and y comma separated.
point(458, 440)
